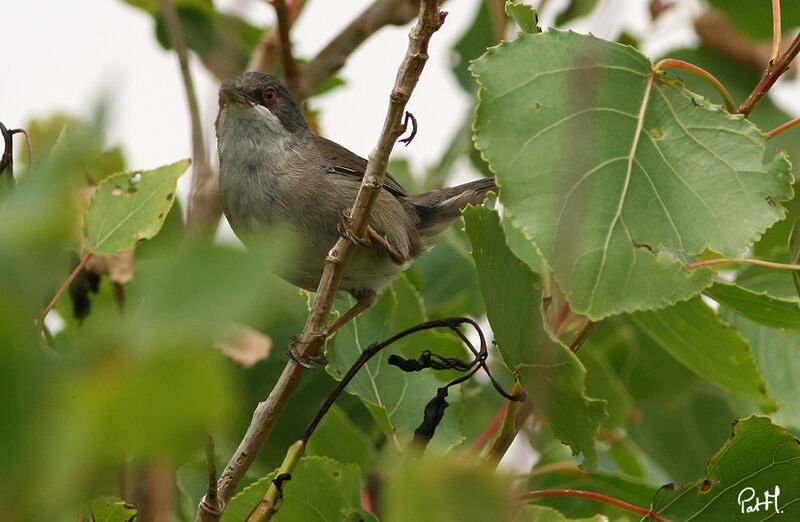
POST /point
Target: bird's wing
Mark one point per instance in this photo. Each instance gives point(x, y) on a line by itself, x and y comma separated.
point(346, 163)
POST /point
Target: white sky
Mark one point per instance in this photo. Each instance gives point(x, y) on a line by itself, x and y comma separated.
point(65, 55)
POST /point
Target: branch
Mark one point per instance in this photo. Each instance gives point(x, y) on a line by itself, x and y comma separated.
point(64, 286)
point(335, 54)
point(771, 75)
point(203, 212)
point(290, 72)
point(786, 126)
point(265, 57)
point(577, 493)
point(267, 412)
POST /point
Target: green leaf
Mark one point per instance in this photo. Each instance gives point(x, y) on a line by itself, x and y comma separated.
point(534, 513)
point(130, 206)
point(778, 356)
point(396, 399)
point(110, 509)
point(550, 373)
point(608, 170)
point(759, 307)
point(761, 456)
point(321, 490)
point(472, 44)
point(339, 438)
point(444, 489)
point(694, 334)
point(524, 15)
point(794, 250)
point(634, 491)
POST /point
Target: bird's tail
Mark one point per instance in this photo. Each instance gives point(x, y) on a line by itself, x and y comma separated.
point(439, 208)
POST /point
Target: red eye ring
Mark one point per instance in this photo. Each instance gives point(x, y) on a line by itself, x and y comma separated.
point(269, 94)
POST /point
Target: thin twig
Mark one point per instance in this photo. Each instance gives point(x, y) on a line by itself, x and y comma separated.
point(333, 57)
point(786, 126)
point(581, 335)
point(747, 261)
point(776, 33)
point(266, 56)
point(591, 495)
point(198, 218)
point(267, 412)
point(64, 286)
point(210, 501)
point(771, 76)
point(290, 71)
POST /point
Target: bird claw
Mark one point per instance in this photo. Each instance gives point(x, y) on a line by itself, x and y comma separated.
point(304, 361)
point(346, 232)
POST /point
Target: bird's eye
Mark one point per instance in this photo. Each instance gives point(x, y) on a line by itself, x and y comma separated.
point(270, 94)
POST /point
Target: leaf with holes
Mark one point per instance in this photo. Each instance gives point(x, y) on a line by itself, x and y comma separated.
point(130, 206)
point(610, 168)
point(760, 459)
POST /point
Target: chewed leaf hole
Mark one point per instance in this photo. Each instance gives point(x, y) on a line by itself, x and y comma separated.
point(169, 196)
point(116, 191)
point(136, 178)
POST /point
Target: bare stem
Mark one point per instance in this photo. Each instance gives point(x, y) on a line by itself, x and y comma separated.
point(671, 63)
point(771, 75)
point(761, 262)
point(310, 341)
point(198, 218)
point(333, 57)
point(786, 126)
point(64, 286)
point(776, 33)
point(580, 337)
point(290, 71)
point(590, 495)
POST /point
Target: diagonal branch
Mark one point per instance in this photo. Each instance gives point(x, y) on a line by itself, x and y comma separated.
point(267, 412)
point(333, 57)
point(204, 208)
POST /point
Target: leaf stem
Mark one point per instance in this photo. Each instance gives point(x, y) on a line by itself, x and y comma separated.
point(776, 33)
point(786, 126)
point(671, 63)
point(269, 504)
point(591, 495)
point(581, 335)
point(64, 286)
point(760, 262)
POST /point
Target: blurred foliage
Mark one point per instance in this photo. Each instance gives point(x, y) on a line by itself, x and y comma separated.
point(137, 384)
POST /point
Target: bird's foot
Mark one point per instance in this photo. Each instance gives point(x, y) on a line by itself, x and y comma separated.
point(306, 361)
point(347, 232)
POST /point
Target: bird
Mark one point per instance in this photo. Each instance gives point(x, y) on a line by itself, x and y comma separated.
point(275, 171)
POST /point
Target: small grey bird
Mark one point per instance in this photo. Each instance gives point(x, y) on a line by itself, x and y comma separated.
point(273, 170)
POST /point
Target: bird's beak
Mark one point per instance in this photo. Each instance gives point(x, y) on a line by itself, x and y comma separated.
point(229, 94)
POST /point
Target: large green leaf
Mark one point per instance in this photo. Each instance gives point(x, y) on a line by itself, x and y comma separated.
point(130, 206)
point(444, 489)
point(550, 373)
point(321, 490)
point(778, 356)
point(396, 399)
point(694, 334)
point(109, 509)
point(783, 314)
point(760, 456)
point(603, 163)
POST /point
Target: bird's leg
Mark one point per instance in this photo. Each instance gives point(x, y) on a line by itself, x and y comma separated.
point(363, 302)
point(346, 232)
point(305, 362)
point(382, 241)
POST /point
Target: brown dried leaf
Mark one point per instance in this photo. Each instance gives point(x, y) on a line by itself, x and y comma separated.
point(245, 346)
